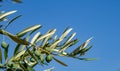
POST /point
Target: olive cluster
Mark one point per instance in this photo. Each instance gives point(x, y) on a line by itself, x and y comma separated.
point(42, 57)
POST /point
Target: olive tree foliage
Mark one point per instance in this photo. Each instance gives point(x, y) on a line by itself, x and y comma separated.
point(41, 49)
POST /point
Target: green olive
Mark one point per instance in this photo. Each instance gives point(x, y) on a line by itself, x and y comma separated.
point(37, 53)
point(48, 58)
point(4, 45)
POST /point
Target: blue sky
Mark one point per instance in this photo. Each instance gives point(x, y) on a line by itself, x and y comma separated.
point(97, 18)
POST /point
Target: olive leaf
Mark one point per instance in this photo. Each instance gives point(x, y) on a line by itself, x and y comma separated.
point(87, 59)
point(70, 38)
point(27, 39)
point(3, 15)
point(78, 50)
point(20, 47)
point(72, 42)
point(25, 31)
point(17, 49)
point(35, 37)
point(18, 55)
point(45, 41)
point(5, 46)
point(47, 35)
point(0, 55)
point(50, 69)
point(62, 63)
point(4, 18)
point(64, 34)
point(6, 54)
point(53, 46)
point(12, 20)
point(84, 50)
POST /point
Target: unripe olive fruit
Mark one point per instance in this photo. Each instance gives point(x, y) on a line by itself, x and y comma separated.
point(48, 58)
point(4, 45)
point(37, 53)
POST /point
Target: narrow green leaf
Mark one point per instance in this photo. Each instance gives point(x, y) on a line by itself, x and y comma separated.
point(70, 43)
point(50, 69)
point(12, 20)
point(87, 48)
point(5, 46)
point(87, 59)
point(61, 38)
point(84, 50)
point(87, 42)
point(0, 55)
point(65, 33)
point(77, 50)
point(6, 54)
point(25, 31)
point(26, 39)
point(18, 55)
point(33, 31)
point(3, 19)
point(55, 38)
point(6, 14)
point(46, 35)
point(35, 38)
point(70, 38)
point(53, 46)
point(60, 62)
point(47, 38)
point(17, 49)
point(20, 47)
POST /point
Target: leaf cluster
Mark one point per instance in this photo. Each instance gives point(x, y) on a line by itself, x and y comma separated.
point(41, 49)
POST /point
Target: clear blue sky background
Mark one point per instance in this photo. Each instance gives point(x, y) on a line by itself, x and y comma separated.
point(98, 18)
